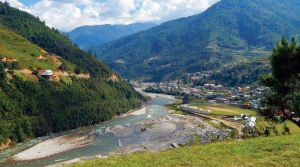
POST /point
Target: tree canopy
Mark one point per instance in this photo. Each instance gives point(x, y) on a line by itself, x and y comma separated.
point(2, 72)
point(32, 109)
point(284, 100)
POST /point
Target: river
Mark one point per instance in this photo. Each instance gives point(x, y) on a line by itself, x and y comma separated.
point(103, 142)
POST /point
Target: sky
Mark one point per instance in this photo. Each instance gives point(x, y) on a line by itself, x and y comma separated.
point(66, 15)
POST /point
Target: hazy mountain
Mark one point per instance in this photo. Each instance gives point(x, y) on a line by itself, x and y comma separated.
point(229, 33)
point(87, 36)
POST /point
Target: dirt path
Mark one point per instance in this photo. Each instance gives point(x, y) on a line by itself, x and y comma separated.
point(235, 125)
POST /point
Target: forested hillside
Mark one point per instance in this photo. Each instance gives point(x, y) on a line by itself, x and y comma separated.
point(17, 53)
point(49, 39)
point(88, 36)
point(29, 109)
point(230, 32)
point(35, 107)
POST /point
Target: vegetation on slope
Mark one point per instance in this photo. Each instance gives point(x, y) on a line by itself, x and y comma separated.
point(240, 74)
point(31, 109)
point(227, 32)
point(284, 81)
point(49, 39)
point(25, 54)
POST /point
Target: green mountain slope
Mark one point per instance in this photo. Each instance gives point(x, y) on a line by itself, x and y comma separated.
point(88, 36)
point(49, 39)
point(231, 31)
point(13, 47)
point(32, 106)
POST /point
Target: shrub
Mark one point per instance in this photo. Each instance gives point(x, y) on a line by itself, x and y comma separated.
point(262, 128)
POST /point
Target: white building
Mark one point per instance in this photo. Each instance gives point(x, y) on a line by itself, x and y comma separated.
point(250, 122)
point(48, 74)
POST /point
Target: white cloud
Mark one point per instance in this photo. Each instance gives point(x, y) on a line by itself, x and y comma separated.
point(16, 4)
point(68, 14)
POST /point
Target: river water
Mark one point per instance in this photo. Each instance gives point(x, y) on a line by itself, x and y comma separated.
point(103, 142)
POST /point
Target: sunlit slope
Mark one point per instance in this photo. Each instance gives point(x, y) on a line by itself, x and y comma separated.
point(16, 48)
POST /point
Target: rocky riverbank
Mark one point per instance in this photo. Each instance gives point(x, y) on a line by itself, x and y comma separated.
point(157, 135)
point(55, 145)
point(151, 128)
point(161, 134)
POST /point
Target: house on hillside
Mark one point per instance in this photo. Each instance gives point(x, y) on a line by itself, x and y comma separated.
point(48, 74)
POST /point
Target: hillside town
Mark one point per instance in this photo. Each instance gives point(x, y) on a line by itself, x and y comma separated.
point(243, 97)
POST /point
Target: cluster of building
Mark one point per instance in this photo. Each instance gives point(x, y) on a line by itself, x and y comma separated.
point(194, 77)
point(243, 97)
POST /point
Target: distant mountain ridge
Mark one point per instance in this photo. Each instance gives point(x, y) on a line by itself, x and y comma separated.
point(229, 33)
point(88, 36)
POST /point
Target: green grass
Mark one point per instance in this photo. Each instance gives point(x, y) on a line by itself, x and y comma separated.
point(69, 65)
point(66, 80)
point(216, 125)
point(219, 109)
point(275, 151)
point(180, 112)
point(26, 53)
point(16, 47)
point(293, 128)
point(21, 76)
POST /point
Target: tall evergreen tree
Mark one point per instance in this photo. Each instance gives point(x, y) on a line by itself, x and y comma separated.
point(284, 100)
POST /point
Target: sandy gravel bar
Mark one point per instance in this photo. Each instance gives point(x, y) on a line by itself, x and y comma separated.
point(54, 146)
point(140, 111)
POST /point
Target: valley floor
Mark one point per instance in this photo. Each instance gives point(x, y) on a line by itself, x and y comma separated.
point(265, 151)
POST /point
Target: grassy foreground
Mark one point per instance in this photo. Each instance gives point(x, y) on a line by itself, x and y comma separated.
point(264, 151)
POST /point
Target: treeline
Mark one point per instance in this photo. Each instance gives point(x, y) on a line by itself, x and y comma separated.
point(157, 90)
point(32, 109)
point(49, 39)
point(240, 74)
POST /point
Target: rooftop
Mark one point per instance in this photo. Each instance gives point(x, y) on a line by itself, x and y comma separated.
point(47, 73)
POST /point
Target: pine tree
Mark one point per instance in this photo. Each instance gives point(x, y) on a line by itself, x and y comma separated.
point(284, 100)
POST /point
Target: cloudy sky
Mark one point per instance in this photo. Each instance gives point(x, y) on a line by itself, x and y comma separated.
point(69, 14)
